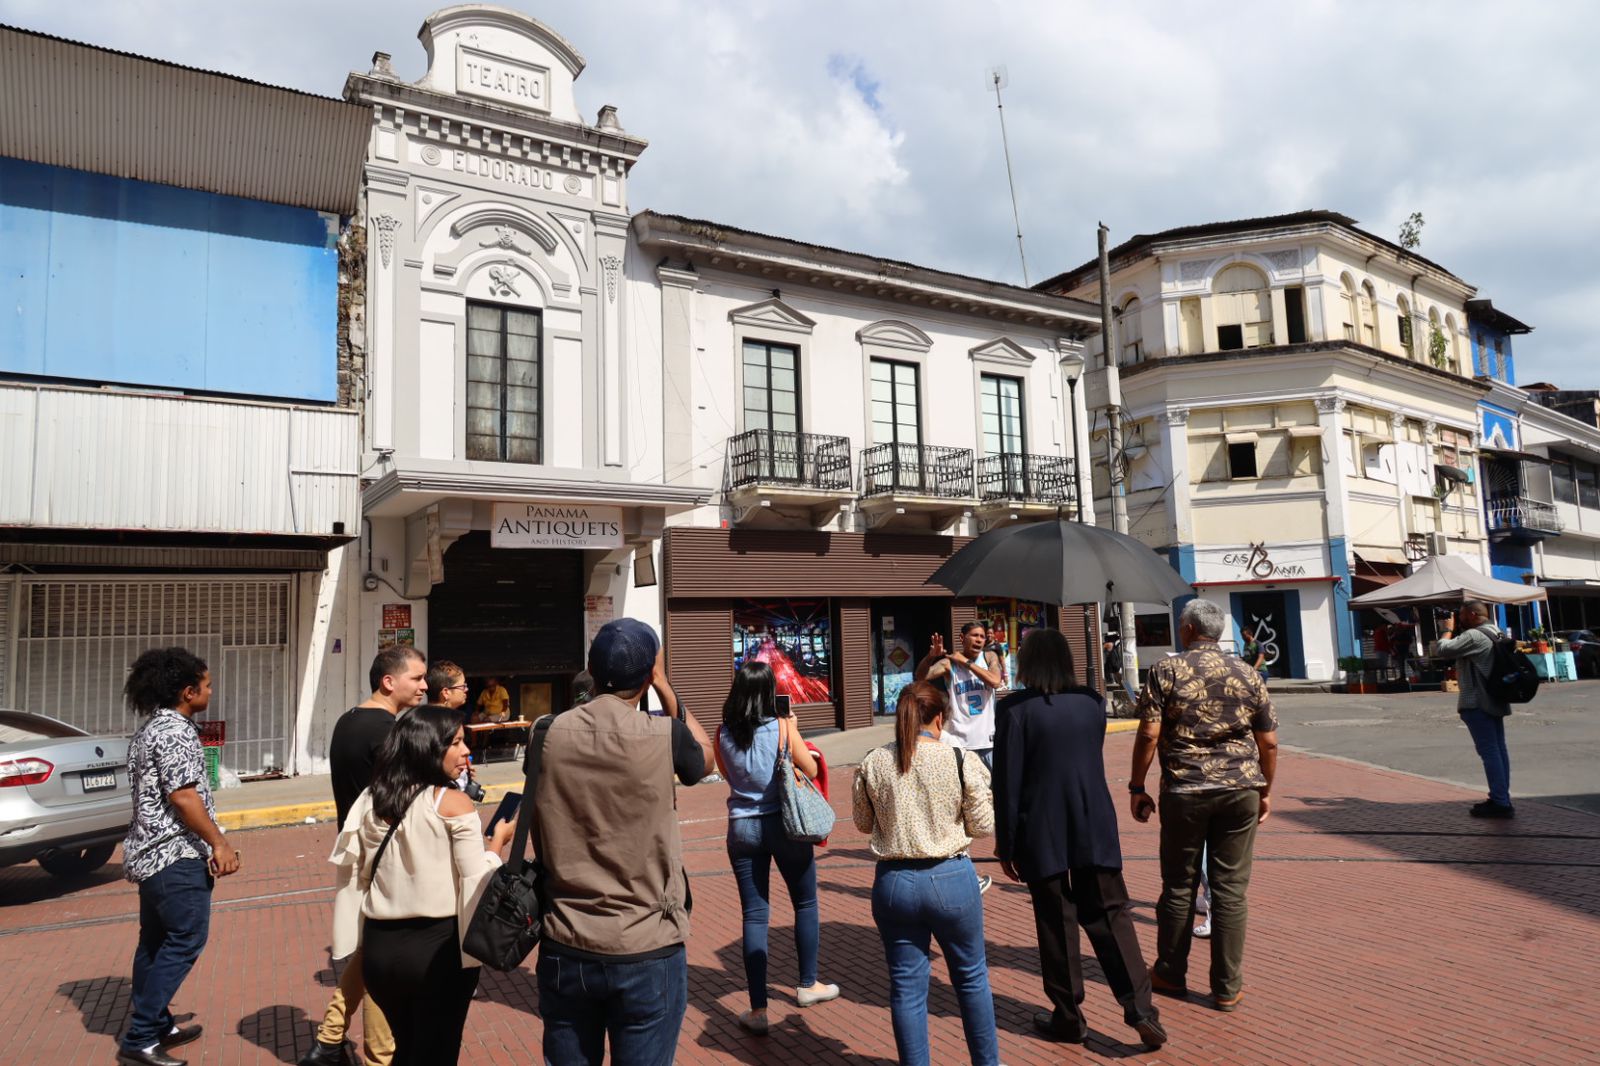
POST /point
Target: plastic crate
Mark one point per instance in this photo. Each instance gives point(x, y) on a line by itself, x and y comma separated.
point(213, 734)
point(214, 767)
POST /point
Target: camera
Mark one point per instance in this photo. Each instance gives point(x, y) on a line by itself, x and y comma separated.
point(473, 790)
point(783, 705)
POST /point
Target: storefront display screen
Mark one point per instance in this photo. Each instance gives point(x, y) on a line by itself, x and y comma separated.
point(1008, 621)
point(795, 638)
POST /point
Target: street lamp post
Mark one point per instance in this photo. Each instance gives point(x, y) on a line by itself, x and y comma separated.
point(1072, 363)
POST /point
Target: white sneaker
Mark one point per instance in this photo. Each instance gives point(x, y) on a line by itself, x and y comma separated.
point(984, 884)
point(811, 995)
point(1203, 930)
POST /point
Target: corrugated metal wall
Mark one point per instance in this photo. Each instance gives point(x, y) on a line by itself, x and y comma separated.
point(700, 655)
point(109, 112)
point(88, 458)
point(764, 563)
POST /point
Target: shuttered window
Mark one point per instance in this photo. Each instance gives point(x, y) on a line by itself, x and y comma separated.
point(504, 408)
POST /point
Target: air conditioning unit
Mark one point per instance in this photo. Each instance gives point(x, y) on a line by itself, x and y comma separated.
point(1438, 544)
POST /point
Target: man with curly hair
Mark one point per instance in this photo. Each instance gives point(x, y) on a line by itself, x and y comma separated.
point(1208, 715)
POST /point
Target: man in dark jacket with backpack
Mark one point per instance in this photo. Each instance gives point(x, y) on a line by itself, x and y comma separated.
point(1482, 711)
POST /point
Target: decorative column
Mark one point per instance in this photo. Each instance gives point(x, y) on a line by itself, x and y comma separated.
point(1174, 430)
point(677, 373)
point(1330, 414)
point(610, 247)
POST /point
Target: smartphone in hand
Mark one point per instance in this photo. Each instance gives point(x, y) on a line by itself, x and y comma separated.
point(784, 709)
point(507, 811)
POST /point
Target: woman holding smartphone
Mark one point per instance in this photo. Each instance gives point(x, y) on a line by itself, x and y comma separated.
point(755, 729)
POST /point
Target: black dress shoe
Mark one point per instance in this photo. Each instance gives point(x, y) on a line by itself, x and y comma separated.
point(1491, 809)
point(1150, 1031)
point(154, 1057)
point(182, 1036)
point(1045, 1022)
point(326, 1055)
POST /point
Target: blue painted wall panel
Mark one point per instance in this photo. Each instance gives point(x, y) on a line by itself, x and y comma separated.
point(106, 279)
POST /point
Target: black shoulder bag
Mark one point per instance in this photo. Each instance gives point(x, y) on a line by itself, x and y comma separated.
point(509, 918)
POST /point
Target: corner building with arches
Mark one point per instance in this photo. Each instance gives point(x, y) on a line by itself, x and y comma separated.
point(1300, 414)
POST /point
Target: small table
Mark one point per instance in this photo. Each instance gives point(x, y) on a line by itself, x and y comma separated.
point(486, 736)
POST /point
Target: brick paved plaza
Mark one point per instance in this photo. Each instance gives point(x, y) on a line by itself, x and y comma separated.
point(1386, 927)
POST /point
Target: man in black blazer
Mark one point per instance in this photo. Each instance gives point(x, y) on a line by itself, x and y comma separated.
point(1056, 830)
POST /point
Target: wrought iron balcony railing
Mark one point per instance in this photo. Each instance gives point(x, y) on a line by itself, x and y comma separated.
point(1029, 478)
point(917, 470)
point(799, 460)
point(1508, 513)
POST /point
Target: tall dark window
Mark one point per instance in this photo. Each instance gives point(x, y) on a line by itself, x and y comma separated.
point(1564, 479)
point(894, 404)
point(1294, 309)
point(1002, 415)
point(504, 409)
point(772, 388)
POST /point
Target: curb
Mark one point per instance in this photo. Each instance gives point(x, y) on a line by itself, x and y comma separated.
point(323, 810)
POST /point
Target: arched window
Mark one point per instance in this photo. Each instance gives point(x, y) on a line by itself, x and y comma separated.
point(1348, 307)
point(1130, 332)
point(1241, 308)
point(1452, 337)
point(1369, 315)
point(1438, 343)
point(1403, 318)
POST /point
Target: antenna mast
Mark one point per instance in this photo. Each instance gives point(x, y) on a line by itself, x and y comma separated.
point(998, 80)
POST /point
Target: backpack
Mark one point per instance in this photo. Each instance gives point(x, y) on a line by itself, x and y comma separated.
point(1511, 677)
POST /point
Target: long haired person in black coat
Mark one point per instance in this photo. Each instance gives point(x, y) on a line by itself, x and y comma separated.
point(1056, 830)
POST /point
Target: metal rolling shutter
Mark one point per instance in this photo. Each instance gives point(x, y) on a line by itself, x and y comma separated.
point(854, 647)
point(700, 655)
point(507, 612)
point(77, 637)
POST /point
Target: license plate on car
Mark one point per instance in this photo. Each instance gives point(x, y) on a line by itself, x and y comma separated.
point(96, 782)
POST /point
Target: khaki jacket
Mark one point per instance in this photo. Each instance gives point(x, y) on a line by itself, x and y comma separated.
point(607, 824)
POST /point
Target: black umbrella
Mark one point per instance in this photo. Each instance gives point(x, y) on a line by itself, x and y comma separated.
point(1061, 562)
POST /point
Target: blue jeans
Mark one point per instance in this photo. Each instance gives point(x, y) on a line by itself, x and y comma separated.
point(911, 902)
point(1489, 737)
point(174, 921)
point(640, 1004)
point(753, 845)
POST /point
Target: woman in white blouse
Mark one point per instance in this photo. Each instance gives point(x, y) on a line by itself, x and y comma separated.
point(413, 855)
point(922, 802)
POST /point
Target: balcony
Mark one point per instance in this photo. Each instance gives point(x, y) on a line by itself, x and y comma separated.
point(1520, 519)
point(916, 486)
point(772, 474)
point(1017, 487)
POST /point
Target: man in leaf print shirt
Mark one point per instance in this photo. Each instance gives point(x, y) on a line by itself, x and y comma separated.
point(1208, 715)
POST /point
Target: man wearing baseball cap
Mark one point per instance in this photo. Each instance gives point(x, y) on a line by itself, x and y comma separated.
point(612, 961)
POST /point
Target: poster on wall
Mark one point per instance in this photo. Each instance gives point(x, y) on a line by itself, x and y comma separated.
point(794, 638)
point(897, 663)
point(388, 638)
point(1008, 621)
point(597, 611)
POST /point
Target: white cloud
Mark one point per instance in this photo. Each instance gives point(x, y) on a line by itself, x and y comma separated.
point(1479, 114)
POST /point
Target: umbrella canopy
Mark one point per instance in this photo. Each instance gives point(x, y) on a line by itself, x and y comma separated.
point(1060, 562)
point(1448, 579)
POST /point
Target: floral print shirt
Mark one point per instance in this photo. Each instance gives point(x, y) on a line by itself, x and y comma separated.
point(163, 756)
point(1210, 705)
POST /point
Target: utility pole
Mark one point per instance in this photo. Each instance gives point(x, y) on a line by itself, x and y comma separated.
point(1114, 464)
point(997, 78)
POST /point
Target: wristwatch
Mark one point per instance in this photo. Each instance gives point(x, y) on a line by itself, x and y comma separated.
point(1137, 790)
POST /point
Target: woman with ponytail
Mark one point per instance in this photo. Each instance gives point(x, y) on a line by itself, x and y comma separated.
point(923, 802)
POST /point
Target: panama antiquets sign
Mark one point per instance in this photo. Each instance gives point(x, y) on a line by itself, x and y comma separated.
point(536, 525)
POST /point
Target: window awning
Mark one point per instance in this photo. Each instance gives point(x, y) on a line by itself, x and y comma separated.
point(1243, 438)
point(1380, 555)
point(1510, 453)
point(1305, 431)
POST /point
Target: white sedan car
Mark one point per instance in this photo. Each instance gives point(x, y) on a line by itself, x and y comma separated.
point(65, 797)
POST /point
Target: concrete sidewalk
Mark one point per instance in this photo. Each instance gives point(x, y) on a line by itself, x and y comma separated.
point(297, 800)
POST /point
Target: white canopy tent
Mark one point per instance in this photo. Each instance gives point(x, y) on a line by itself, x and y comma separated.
point(1448, 579)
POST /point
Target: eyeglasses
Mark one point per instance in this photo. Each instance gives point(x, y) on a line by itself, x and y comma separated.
point(452, 688)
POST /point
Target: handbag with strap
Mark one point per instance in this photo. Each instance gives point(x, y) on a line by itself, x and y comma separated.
point(509, 918)
point(807, 816)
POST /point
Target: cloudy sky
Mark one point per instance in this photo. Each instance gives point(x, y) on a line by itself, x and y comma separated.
point(870, 126)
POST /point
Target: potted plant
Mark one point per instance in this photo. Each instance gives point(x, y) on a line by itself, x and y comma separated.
point(1354, 667)
point(1541, 640)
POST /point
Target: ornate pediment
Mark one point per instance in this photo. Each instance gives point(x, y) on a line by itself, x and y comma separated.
point(772, 314)
point(891, 333)
point(1004, 351)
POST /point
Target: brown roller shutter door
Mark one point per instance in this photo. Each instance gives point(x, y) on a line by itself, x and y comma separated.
point(700, 655)
point(1081, 626)
point(855, 657)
